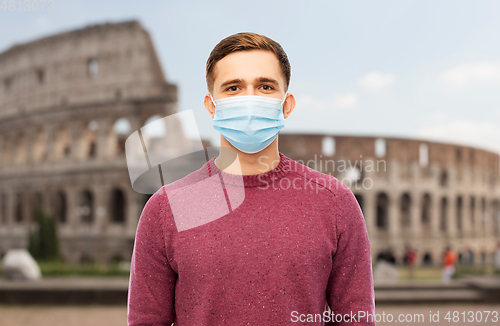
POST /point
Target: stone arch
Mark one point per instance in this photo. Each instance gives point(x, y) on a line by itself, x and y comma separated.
point(6, 151)
point(381, 256)
point(116, 258)
point(328, 146)
point(117, 206)
point(3, 208)
point(36, 205)
point(483, 214)
point(380, 147)
point(40, 150)
point(62, 143)
point(88, 140)
point(469, 255)
point(472, 213)
point(405, 206)
point(118, 133)
point(443, 178)
point(59, 206)
point(459, 206)
point(157, 130)
point(19, 208)
point(427, 259)
point(86, 258)
point(423, 155)
point(354, 174)
point(86, 207)
point(150, 118)
point(359, 198)
point(495, 211)
point(426, 210)
point(92, 67)
point(443, 221)
point(382, 218)
point(21, 150)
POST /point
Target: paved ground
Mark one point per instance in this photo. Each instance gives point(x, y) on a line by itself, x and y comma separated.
point(63, 316)
point(471, 313)
point(111, 316)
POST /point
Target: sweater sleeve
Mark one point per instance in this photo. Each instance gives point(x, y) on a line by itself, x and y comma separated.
point(152, 280)
point(350, 289)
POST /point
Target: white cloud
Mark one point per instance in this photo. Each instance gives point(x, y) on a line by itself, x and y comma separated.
point(470, 74)
point(439, 126)
point(338, 102)
point(345, 101)
point(376, 81)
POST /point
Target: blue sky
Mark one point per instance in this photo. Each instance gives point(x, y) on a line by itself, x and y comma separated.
point(416, 69)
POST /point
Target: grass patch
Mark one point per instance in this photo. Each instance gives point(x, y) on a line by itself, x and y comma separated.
point(421, 273)
point(86, 269)
point(434, 273)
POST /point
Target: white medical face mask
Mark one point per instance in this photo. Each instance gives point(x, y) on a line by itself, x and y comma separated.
point(250, 123)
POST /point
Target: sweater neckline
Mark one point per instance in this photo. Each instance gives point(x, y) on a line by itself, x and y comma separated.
point(253, 180)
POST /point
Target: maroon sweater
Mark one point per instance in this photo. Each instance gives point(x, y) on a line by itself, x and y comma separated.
point(276, 248)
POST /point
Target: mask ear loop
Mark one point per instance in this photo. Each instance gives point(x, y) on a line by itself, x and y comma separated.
point(213, 100)
point(283, 102)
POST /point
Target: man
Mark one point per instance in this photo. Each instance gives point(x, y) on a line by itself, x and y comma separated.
point(449, 260)
point(253, 238)
point(411, 258)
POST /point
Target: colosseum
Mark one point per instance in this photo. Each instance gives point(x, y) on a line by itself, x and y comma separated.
point(425, 194)
point(68, 103)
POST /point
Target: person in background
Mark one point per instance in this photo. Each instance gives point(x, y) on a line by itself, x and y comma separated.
point(497, 257)
point(411, 258)
point(390, 256)
point(470, 256)
point(449, 260)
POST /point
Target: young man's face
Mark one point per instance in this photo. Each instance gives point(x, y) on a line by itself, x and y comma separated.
point(255, 72)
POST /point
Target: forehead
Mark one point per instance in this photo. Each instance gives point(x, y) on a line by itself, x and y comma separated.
point(248, 65)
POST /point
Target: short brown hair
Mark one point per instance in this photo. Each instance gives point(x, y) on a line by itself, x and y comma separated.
point(246, 42)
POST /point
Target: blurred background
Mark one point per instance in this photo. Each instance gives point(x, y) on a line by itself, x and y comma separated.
point(397, 99)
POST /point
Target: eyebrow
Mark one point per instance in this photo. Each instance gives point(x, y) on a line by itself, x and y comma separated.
point(229, 82)
point(267, 80)
point(259, 79)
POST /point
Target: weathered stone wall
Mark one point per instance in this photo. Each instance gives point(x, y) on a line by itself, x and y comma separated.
point(62, 101)
point(416, 192)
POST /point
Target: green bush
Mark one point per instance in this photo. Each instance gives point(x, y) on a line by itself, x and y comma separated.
point(87, 269)
point(44, 243)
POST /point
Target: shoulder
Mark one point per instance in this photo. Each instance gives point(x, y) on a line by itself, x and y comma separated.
point(174, 188)
point(159, 202)
point(321, 181)
point(331, 190)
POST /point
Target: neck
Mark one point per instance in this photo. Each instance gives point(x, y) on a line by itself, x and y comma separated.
point(247, 164)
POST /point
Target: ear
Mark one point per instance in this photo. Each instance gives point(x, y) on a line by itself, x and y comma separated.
point(289, 105)
point(209, 105)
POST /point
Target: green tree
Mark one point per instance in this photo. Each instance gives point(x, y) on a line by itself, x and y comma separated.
point(44, 243)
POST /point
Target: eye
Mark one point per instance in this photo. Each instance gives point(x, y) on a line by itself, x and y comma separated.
point(232, 88)
point(267, 87)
